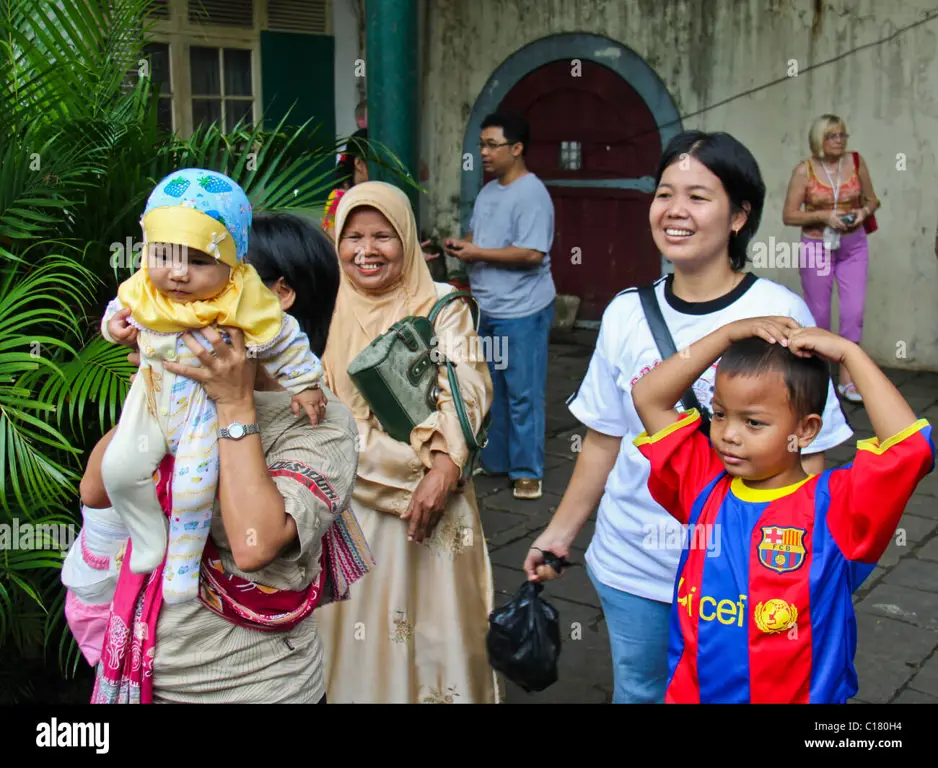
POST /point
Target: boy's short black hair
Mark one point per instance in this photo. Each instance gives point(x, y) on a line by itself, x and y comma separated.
point(515, 128)
point(807, 378)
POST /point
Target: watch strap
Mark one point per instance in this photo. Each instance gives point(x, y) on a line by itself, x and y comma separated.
point(249, 429)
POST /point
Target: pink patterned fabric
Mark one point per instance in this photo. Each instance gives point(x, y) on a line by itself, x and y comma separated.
point(125, 671)
point(88, 624)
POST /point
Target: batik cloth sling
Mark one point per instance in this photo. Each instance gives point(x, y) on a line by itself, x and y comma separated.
point(397, 376)
point(125, 673)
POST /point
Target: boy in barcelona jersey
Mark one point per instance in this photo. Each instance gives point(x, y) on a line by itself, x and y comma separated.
point(770, 619)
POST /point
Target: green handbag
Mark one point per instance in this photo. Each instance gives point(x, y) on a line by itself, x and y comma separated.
point(397, 375)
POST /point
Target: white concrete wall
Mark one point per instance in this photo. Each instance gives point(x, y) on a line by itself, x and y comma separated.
point(710, 51)
point(345, 30)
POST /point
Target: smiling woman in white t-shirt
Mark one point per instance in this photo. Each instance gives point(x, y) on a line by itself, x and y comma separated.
point(707, 207)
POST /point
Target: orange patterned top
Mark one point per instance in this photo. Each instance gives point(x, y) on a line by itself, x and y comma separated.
point(820, 193)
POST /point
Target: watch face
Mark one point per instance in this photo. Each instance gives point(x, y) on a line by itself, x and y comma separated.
point(236, 430)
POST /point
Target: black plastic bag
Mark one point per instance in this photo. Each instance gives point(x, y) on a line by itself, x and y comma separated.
point(523, 640)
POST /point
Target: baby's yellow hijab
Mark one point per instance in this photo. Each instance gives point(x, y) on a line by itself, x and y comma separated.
point(360, 317)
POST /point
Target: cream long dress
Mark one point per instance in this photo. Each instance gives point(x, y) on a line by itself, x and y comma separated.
point(414, 629)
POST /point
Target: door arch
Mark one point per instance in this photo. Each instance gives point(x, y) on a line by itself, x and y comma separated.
point(613, 110)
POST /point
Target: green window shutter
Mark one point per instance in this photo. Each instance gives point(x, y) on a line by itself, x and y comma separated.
point(298, 70)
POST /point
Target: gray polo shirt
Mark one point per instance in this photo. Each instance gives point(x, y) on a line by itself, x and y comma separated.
point(521, 215)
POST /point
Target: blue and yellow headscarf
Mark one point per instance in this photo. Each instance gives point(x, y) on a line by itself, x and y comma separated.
point(205, 211)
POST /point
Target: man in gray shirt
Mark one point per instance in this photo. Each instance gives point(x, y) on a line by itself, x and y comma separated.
point(507, 257)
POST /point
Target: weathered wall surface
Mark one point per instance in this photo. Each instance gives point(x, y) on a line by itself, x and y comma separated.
point(710, 54)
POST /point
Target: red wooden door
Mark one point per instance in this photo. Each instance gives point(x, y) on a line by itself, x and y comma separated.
point(594, 143)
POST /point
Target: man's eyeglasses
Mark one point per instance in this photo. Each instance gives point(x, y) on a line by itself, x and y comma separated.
point(493, 145)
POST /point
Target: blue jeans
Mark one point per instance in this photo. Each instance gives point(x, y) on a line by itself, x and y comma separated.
point(517, 432)
point(638, 634)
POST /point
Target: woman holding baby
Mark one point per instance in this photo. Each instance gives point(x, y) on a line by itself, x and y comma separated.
point(281, 541)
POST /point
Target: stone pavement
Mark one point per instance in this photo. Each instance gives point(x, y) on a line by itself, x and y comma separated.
point(897, 607)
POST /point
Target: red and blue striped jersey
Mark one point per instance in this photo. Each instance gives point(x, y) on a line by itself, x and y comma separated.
point(762, 609)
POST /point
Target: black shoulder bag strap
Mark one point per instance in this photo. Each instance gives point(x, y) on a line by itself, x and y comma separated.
point(667, 348)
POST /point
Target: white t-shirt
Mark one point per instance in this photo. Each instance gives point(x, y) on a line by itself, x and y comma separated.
point(637, 544)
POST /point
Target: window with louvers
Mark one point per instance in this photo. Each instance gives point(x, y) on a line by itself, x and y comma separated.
point(308, 16)
point(229, 13)
point(159, 10)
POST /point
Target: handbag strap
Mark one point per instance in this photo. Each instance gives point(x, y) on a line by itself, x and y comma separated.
point(473, 306)
point(665, 344)
point(473, 441)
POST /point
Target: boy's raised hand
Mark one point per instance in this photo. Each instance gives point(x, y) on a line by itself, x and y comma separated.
point(806, 342)
point(313, 401)
point(774, 329)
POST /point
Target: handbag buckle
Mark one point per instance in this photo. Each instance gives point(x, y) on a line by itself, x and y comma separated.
point(405, 335)
point(418, 368)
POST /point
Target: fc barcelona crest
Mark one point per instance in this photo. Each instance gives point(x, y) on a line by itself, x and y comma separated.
point(782, 549)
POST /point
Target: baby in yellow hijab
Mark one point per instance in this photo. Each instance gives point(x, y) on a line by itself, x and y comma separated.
point(192, 275)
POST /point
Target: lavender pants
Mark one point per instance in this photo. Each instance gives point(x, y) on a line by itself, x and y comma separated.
point(848, 264)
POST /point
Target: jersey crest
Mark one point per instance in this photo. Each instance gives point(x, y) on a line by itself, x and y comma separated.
point(782, 549)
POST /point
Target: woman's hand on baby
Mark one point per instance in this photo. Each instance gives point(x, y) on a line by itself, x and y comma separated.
point(226, 373)
point(313, 401)
point(121, 330)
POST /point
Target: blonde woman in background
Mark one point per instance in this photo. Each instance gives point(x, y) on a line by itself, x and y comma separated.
point(830, 196)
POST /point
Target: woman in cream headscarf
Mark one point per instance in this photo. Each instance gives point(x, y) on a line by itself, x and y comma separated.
point(414, 630)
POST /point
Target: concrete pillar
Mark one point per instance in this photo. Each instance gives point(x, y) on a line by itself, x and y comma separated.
point(393, 86)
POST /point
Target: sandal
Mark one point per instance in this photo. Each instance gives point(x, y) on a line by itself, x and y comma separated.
point(528, 488)
point(850, 392)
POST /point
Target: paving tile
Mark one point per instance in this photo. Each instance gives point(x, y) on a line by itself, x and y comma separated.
point(574, 586)
point(922, 384)
point(507, 583)
point(557, 479)
point(900, 376)
point(871, 581)
point(584, 667)
point(531, 507)
point(560, 420)
point(929, 484)
point(922, 505)
point(926, 679)
point(909, 605)
point(494, 521)
point(512, 555)
point(929, 551)
point(888, 655)
point(911, 696)
point(917, 574)
point(486, 486)
point(528, 524)
point(912, 528)
point(920, 401)
point(552, 463)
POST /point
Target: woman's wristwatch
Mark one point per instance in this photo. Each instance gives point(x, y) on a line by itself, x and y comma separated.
point(236, 430)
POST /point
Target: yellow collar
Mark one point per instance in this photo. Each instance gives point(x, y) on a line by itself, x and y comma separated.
point(745, 493)
point(245, 303)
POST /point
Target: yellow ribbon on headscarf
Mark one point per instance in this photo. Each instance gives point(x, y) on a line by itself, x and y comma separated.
point(245, 303)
